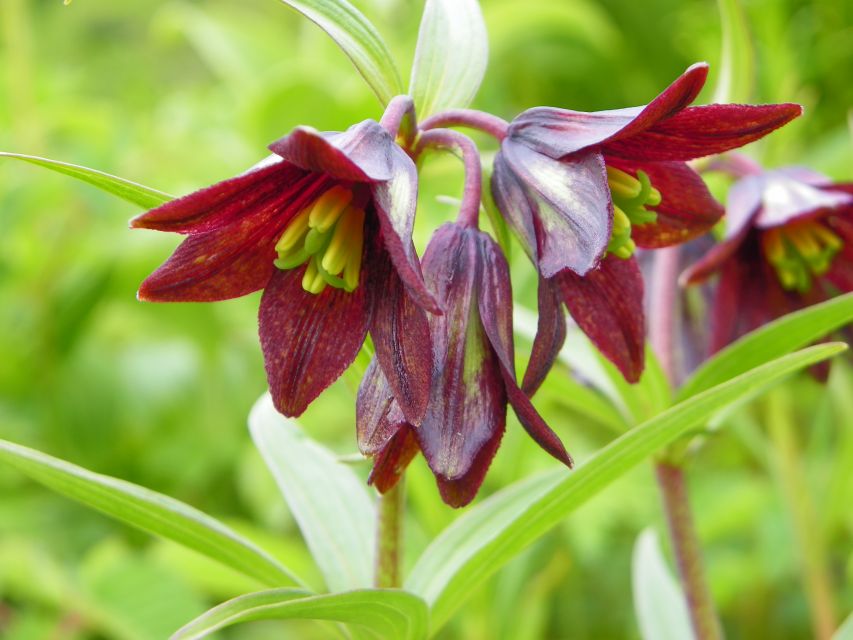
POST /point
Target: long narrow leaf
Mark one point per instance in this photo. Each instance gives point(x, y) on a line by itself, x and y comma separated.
point(145, 197)
point(736, 79)
point(483, 540)
point(149, 511)
point(382, 613)
point(359, 40)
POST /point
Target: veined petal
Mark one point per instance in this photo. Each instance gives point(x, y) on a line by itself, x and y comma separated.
point(495, 306)
point(458, 492)
point(702, 131)
point(227, 202)
point(607, 305)
point(377, 414)
point(550, 336)
point(560, 132)
point(308, 340)
point(516, 206)
point(574, 212)
point(785, 199)
point(359, 154)
point(390, 463)
point(687, 209)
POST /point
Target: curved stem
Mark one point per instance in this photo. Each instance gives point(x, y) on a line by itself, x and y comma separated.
point(389, 534)
point(469, 211)
point(471, 118)
point(400, 114)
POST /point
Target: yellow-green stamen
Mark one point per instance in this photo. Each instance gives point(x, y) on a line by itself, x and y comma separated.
point(799, 252)
point(328, 235)
point(630, 197)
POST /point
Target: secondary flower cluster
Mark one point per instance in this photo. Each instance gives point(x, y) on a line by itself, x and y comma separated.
point(324, 227)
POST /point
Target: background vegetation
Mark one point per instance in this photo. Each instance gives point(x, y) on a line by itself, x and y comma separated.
point(179, 94)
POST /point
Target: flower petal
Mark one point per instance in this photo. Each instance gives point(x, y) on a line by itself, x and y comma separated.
point(309, 340)
point(458, 492)
point(550, 336)
point(377, 414)
point(560, 132)
point(360, 154)
point(786, 199)
point(703, 131)
point(607, 305)
point(401, 336)
point(391, 462)
point(495, 306)
point(229, 201)
point(687, 209)
point(573, 212)
point(516, 206)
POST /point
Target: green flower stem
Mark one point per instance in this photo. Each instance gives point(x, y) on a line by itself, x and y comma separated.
point(389, 535)
point(670, 475)
point(801, 510)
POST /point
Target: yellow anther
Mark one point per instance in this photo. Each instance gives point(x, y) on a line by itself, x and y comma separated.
point(654, 198)
point(804, 243)
point(312, 280)
point(352, 269)
point(335, 258)
point(774, 246)
point(294, 233)
point(623, 185)
point(621, 222)
point(329, 207)
point(826, 237)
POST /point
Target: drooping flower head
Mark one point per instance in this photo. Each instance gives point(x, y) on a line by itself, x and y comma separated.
point(324, 228)
point(582, 190)
point(788, 244)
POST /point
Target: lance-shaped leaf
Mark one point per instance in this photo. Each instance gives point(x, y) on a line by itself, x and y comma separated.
point(451, 56)
point(149, 511)
point(358, 39)
point(736, 80)
point(138, 194)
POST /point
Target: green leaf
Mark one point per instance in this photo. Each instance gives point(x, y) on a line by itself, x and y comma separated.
point(382, 613)
point(329, 502)
point(658, 600)
point(770, 341)
point(488, 536)
point(149, 511)
point(451, 56)
point(845, 631)
point(736, 81)
point(359, 40)
point(145, 197)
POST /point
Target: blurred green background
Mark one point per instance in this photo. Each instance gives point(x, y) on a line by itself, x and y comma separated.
point(179, 94)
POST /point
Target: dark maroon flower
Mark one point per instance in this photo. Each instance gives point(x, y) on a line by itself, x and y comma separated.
point(473, 375)
point(582, 190)
point(324, 227)
point(788, 244)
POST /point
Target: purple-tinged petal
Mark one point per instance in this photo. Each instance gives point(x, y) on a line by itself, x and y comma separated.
point(458, 492)
point(696, 132)
point(308, 340)
point(687, 209)
point(516, 205)
point(362, 153)
point(468, 401)
point(550, 336)
point(390, 463)
point(377, 414)
point(786, 199)
point(607, 305)
point(495, 305)
point(400, 331)
point(396, 200)
point(560, 132)
point(573, 214)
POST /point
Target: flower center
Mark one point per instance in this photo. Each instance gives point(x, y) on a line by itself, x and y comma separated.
point(328, 234)
point(630, 197)
point(800, 251)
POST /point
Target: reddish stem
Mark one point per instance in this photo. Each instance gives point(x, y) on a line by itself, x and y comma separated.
point(445, 139)
point(471, 118)
point(398, 110)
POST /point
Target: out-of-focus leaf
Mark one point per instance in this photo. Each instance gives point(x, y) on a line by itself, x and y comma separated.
point(331, 505)
point(488, 536)
point(451, 56)
point(381, 613)
point(145, 197)
point(359, 40)
point(845, 631)
point(770, 341)
point(736, 79)
point(149, 511)
point(658, 600)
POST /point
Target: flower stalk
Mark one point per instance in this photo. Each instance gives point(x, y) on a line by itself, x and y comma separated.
point(389, 537)
point(469, 210)
point(469, 118)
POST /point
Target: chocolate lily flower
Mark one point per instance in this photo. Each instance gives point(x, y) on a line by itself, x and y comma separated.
point(324, 228)
point(582, 190)
point(473, 375)
point(789, 244)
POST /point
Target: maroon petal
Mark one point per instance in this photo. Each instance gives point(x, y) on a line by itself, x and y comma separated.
point(687, 209)
point(229, 201)
point(786, 199)
point(840, 273)
point(458, 492)
point(377, 414)
point(703, 131)
point(360, 154)
point(516, 206)
point(607, 305)
point(309, 340)
point(560, 132)
point(550, 336)
point(390, 464)
point(401, 336)
point(396, 201)
point(573, 212)
point(495, 305)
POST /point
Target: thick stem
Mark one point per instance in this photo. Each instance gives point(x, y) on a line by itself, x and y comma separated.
point(389, 534)
point(670, 476)
point(479, 120)
point(399, 118)
point(469, 210)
